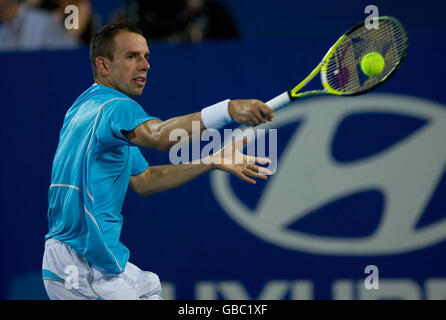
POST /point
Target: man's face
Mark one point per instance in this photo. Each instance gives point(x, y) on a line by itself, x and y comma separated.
point(128, 70)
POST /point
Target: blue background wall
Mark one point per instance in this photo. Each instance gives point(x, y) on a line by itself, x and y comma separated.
point(185, 235)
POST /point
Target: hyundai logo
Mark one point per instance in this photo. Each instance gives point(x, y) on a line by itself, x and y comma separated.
point(312, 174)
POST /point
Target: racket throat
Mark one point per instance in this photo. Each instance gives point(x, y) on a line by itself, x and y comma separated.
point(309, 93)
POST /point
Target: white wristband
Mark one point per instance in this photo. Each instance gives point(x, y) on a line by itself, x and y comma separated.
point(217, 115)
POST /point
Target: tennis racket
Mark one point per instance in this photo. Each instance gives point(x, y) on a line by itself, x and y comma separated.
point(340, 68)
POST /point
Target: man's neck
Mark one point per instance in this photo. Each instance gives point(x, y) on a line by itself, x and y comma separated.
point(105, 82)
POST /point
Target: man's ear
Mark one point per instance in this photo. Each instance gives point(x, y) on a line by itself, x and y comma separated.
point(102, 65)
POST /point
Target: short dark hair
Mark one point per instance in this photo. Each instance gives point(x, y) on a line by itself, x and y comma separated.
point(102, 43)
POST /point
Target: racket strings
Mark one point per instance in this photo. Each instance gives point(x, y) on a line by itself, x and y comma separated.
point(344, 71)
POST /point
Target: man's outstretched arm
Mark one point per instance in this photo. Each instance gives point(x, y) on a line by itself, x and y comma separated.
point(155, 133)
point(161, 178)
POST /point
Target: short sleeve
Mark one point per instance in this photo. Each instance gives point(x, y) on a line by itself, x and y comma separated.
point(138, 162)
point(117, 116)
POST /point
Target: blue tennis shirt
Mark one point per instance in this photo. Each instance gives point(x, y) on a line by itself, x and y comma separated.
point(91, 173)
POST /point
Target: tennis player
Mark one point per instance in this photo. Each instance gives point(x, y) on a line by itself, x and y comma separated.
point(98, 158)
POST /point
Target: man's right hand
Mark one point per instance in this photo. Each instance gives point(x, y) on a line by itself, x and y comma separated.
point(252, 112)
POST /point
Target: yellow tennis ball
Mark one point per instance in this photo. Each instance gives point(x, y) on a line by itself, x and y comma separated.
point(372, 64)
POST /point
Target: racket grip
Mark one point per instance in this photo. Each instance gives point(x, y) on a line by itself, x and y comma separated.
point(276, 103)
point(280, 101)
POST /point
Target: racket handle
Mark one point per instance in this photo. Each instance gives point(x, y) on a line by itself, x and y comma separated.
point(276, 103)
point(280, 101)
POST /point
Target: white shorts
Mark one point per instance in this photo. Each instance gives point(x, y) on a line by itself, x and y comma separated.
point(69, 276)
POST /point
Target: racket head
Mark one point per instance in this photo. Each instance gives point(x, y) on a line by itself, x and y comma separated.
point(341, 72)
